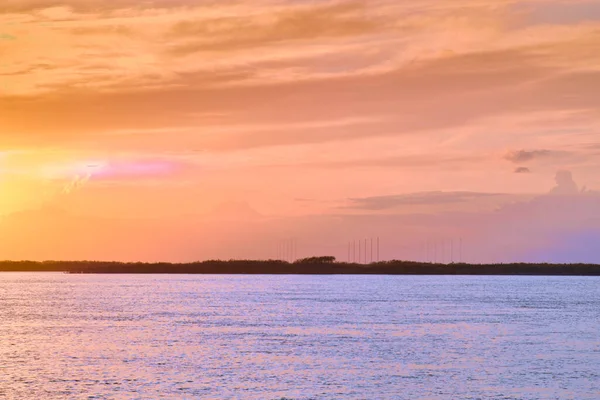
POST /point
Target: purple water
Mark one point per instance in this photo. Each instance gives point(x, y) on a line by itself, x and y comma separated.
point(300, 337)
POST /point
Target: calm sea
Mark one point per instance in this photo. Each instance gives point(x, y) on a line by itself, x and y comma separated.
point(301, 337)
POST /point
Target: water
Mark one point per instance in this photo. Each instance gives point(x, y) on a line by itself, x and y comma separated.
point(302, 337)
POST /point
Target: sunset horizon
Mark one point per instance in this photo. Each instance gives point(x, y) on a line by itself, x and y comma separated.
point(300, 199)
point(188, 130)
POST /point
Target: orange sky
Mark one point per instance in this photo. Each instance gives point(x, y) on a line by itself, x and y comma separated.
point(236, 124)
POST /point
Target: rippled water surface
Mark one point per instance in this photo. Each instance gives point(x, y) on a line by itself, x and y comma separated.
point(317, 337)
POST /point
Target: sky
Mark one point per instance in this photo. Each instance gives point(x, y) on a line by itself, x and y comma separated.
point(181, 130)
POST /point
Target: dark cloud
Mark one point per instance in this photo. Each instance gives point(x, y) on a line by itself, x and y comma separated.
point(520, 156)
point(424, 198)
point(522, 170)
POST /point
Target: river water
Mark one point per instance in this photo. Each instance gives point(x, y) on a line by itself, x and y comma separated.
point(301, 337)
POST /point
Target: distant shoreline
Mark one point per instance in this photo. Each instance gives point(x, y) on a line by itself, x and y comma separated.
point(275, 267)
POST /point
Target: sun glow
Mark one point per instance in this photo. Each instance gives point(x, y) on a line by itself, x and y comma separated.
point(305, 114)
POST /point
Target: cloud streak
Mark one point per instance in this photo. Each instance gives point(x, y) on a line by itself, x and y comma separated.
point(346, 19)
point(427, 198)
point(521, 156)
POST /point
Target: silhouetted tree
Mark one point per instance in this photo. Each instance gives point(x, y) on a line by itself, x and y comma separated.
point(317, 260)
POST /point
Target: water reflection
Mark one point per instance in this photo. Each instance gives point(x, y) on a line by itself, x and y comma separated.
point(322, 337)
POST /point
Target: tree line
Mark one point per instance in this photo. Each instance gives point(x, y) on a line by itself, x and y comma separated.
point(311, 265)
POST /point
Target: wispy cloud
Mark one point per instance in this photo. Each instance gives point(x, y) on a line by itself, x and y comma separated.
point(346, 19)
point(521, 156)
point(427, 198)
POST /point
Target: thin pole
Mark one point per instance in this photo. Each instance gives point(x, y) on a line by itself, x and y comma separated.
point(428, 251)
point(365, 251)
point(371, 260)
point(359, 253)
point(348, 249)
point(377, 248)
point(443, 251)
